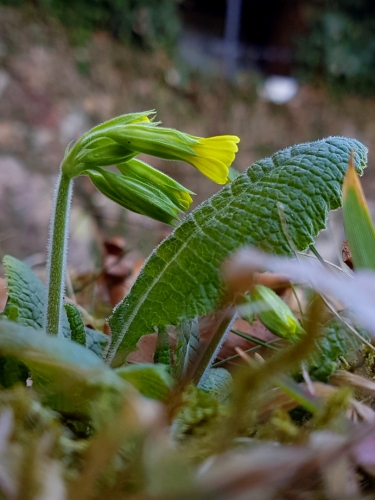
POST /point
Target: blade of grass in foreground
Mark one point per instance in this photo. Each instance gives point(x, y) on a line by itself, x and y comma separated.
point(359, 229)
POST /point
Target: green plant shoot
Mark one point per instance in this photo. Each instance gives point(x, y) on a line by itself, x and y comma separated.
point(137, 187)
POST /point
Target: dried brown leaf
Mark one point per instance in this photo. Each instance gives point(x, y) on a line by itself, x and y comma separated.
point(344, 378)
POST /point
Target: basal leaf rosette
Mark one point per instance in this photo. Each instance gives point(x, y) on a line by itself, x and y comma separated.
point(139, 187)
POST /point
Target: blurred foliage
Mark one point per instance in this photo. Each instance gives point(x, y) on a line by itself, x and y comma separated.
point(338, 46)
point(148, 23)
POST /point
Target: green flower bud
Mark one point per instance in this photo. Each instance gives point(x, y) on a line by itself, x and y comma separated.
point(275, 314)
point(121, 138)
point(161, 199)
point(138, 170)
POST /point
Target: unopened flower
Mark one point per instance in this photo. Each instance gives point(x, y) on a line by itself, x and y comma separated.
point(124, 137)
point(143, 190)
point(139, 170)
point(211, 156)
point(274, 313)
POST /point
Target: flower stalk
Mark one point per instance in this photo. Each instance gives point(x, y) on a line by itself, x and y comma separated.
point(57, 252)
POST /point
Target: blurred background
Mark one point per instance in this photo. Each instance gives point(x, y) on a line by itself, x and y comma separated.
point(273, 72)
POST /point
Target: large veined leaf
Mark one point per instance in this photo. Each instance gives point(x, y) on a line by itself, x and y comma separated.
point(26, 300)
point(278, 203)
point(26, 296)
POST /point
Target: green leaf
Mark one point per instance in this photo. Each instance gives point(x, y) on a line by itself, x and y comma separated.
point(92, 339)
point(153, 381)
point(181, 278)
point(336, 341)
point(26, 293)
point(357, 220)
point(187, 348)
point(163, 350)
point(96, 341)
point(26, 296)
point(218, 382)
point(61, 367)
point(76, 324)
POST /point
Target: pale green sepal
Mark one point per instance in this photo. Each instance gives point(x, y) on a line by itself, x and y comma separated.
point(153, 381)
point(83, 152)
point(141, 117)
point(137, 196)
point(164, 143)
point(101, 153)
point(274, 313)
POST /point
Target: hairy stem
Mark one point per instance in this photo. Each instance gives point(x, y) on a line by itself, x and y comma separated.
point(57, 251)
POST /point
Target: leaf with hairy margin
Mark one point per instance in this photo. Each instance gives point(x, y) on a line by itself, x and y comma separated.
point(26, 296)
point(180, 280)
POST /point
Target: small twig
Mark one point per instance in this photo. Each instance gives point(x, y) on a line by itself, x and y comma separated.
point(317, 255)
point(297, 299)
point(338, 268)
point(252, 339)
point(236, 356)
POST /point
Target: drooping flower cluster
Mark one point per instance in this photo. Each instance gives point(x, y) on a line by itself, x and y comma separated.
point(138, 186)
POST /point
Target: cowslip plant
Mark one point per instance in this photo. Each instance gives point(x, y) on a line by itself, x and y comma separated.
point(138, 187)
point(278, 204)
point(182, 274)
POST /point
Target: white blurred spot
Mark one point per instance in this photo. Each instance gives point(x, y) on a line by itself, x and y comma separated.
point(279, 89)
